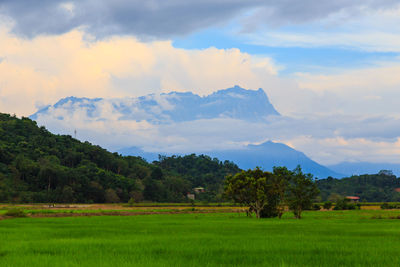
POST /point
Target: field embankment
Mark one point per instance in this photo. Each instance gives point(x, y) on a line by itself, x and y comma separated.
point(75, 210)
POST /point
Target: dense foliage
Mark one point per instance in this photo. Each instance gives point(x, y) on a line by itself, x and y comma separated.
point(266, 193)
point(302, 190)
point(252, 188)
point(369, 187)
point(38, 166)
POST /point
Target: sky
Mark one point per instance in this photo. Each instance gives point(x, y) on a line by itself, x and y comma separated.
point(331, 68)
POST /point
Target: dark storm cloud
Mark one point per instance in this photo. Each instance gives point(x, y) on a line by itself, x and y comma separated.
point(294, 11)
point(163, 18)
point(153, 18)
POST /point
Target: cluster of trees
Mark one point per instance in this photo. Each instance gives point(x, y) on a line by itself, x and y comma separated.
point(38, 166)
point(267, 193)
point(379, 187)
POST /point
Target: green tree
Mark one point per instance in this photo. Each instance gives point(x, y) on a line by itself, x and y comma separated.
point(111, 196)
point(250, 188)
point(280, 182)
point(301, 192)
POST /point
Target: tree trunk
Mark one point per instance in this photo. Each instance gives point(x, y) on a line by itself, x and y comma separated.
point(48, 186)
point(258, 207)
point(298, 213)
point(258, 213)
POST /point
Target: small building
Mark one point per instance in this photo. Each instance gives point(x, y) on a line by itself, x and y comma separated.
point(190, 196)
point(353, 198)
point(199, 190)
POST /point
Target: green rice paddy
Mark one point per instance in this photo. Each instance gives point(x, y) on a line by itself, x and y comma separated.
point(321, 238)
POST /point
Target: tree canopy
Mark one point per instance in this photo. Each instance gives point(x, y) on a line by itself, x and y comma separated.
point(381, 187)
point(267, 193)
point(38, 166)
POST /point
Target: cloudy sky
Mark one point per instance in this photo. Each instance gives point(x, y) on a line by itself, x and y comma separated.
point(331, 68)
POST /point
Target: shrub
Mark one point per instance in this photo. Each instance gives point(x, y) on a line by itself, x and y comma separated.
point(344, 204)
point(316, 207)
point(111, 196)
point(327, 205)
point(17, 213)
point(387, 206)
point(269, 211)
point(131, 202)
point(351, 206)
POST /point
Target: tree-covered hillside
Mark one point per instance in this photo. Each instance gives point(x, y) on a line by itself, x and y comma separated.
point(38, 166)
point(369, 187)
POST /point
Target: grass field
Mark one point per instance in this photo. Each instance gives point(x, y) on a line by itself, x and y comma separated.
point(323, 238)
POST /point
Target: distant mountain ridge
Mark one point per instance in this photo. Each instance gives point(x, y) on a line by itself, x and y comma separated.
point(266, 155)
point(235, 102)
point(177, 107)
point(360, 168)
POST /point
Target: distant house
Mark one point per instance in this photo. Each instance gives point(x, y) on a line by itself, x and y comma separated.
point(199, 190)
point(397, 189)
point(190, 196)
point(353, 198)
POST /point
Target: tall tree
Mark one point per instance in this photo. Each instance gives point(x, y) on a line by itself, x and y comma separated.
point(280, 182)
point(301, 191)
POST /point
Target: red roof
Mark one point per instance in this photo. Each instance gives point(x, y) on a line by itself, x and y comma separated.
point(354, 198)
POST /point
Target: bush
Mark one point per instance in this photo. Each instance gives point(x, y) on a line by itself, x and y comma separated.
point(269, 211)
point(17, 213)
point(344, 204)
point(316, 207)
point(111, 196)
point(327, 205)
point(351, 206)
point(387, 206)
point(131, 202)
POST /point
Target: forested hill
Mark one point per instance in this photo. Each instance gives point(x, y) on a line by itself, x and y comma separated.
point(369, 187)
point(38, 166)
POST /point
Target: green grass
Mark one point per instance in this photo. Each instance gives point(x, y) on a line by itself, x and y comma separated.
point(334, 238)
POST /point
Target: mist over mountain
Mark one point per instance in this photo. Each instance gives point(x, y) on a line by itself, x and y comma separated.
point(219, 125)
point(235, 102)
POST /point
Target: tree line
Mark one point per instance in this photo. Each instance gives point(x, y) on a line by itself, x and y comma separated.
point(38, 166)
point(381, 187)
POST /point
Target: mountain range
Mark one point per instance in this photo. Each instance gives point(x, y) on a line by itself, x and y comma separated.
point(177, 108)
point(359, 168)
point(266, 155)
point(235, 103)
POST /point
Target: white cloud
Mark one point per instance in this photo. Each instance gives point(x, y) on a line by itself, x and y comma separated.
point(333, 115)
point(367, 41)
point(372, 91)
point(327, 139)
point(48, 68)
point(368, 30)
